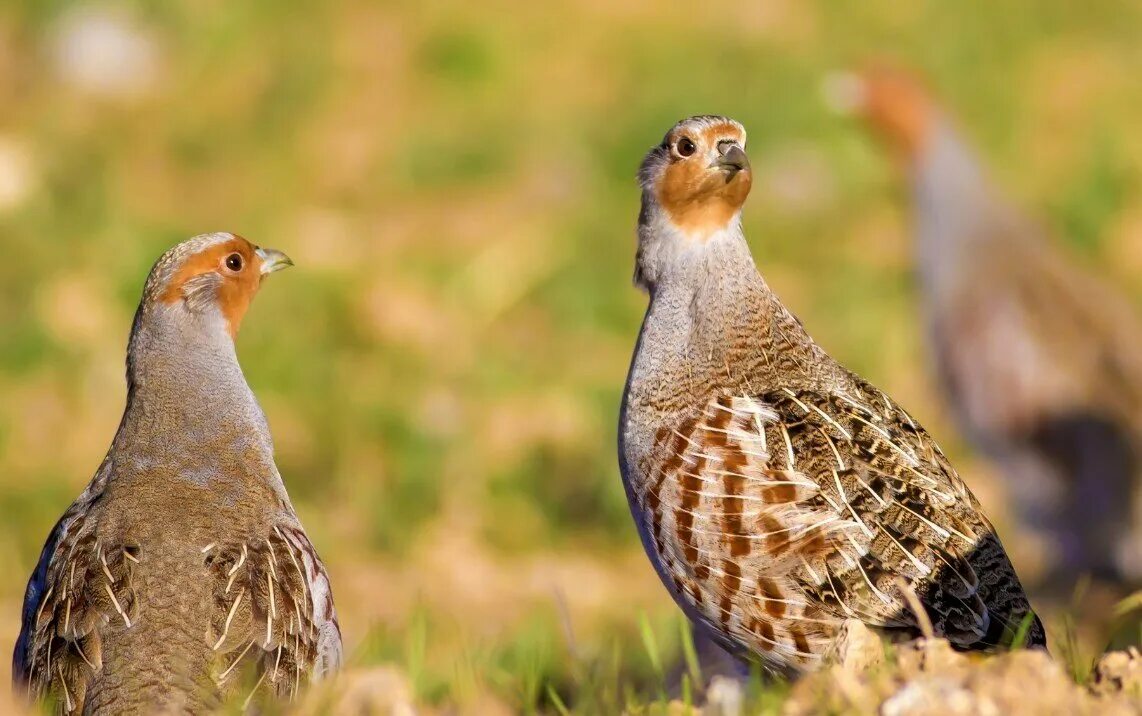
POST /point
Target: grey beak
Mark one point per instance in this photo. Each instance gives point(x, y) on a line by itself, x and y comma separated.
point(734, 159)
point(272, 260)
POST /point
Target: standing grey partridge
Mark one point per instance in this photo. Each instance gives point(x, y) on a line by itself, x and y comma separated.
point(778, 494)
point(1040, 361)
point(182, 566)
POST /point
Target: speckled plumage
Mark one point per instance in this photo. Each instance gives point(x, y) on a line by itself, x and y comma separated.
point(1040, 360)
point(182, 569)
point(776, 492)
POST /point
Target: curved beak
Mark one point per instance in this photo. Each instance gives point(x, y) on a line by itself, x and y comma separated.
point(272, 260)
point(733, 158)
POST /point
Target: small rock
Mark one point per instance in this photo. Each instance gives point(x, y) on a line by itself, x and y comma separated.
point(723, 697)
point(929, 656)
point(857, 648)
point(835, 689)
point(938, 696)
point(1027, 682)
point(1118, 672)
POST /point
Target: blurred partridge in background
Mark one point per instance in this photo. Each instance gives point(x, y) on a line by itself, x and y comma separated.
point(778, 494)
point(182, 570)
point(1039, 359)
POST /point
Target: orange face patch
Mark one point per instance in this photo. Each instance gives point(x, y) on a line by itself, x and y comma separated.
point(236, 261)
point(700, 197)
point(899, 107)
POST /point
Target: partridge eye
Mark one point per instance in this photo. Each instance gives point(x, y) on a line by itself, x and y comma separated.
point(234, 262)
point(686, 146)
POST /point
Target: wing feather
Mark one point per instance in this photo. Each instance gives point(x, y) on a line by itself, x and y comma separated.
point(780, 514)
point(273, 611)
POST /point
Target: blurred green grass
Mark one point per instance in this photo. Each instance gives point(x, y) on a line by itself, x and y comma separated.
point(443, 369)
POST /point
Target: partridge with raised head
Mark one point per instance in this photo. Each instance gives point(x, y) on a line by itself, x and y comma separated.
point(182, 569)
point(778, 494)
point(1039, 359)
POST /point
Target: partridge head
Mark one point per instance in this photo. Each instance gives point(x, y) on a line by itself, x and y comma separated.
point(894, 104)
point(694, 185)
point(213, 276)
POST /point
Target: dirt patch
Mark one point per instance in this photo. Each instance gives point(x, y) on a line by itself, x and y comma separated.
point(927, 676)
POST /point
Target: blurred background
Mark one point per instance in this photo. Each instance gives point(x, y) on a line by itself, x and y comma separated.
point(455, 182)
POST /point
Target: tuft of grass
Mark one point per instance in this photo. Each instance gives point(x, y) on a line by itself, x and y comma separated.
point(1019, 638)
point(689, 653)
point(1072, 652)
point(650, 644)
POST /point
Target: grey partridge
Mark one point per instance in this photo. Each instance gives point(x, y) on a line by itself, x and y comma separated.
point(1039, 359)
point(778, 494)
point(182, 567)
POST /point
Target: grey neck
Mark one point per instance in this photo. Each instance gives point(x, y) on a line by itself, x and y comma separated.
point(188, 403)
point(708, 304)
point(956, 208)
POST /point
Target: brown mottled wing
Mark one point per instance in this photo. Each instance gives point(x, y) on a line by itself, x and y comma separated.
point(1041, 364)
point(273, 607)
point(1028, 333)
point(923, 524)
point(779, 515)
point(80, 590)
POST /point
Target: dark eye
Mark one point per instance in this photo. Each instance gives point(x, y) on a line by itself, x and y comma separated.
point(686, 146)
point(234, 262)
